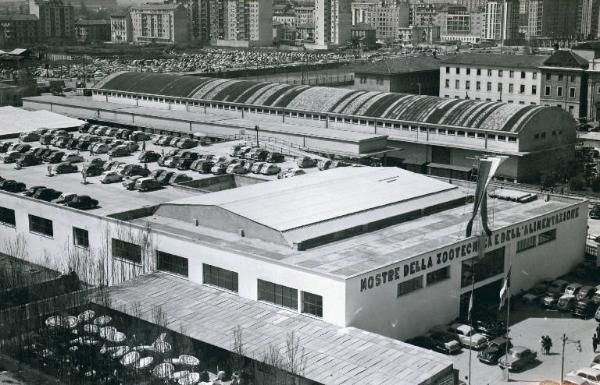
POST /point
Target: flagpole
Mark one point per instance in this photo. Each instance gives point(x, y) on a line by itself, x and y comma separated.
point(508, 316)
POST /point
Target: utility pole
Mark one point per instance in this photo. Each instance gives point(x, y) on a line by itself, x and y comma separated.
point(565, 340)
point(256, 129)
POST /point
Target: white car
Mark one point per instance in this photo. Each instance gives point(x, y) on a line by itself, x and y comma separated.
point(591, 375)
point(72, 158)
point(111, 177)
point(468, 336)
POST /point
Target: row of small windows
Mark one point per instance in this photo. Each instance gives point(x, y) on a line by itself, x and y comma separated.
point(490, 72)
point(416, 283)
point(559, 91)
point(489, 86)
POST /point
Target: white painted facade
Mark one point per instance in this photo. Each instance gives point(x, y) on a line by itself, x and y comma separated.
point(510, 85)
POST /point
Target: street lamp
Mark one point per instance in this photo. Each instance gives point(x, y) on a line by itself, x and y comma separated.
point(565, 340)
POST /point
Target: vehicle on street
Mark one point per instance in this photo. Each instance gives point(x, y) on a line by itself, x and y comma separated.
point(558, 286)
point(179, 178)
point(12, 186)
point(129, 183)
point(157, 138)
point(54, 157)
point(186, 143)
point(596, 296)
point(146, 184)
point(324, 164)
point(29, 137)
point(270, 169)
point(495, 349)
point(100, 148)
point(138, 136)
point(29, 160)
point(293, 172)
point(573, 288)
point(591, 376)
point(219, 168)
point(468, 336)
point(236, 169)
point(92, 171)
point(426, 342)
point(184, 163)
point(64, 198)
point(65, 168)
point(11, 157)
point(165, 140)
point(586, 292)
point(111, 177)
point(489, 327)
point(97, 162)
point(72, 144)
point(275, 157)
point(535, 294)
point(566, 303)
point(202, 166)
point(256, 167)
point(4, 146)
point(83, 202)
point(131, 146)
point(157, 172)
point(518, 358)
point(134, 169)
point(46, 139)
point(164, 178)
point(584, 308)
point(119, 151)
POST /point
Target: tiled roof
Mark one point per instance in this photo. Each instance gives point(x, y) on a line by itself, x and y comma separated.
point(497, 60)
point(400, 65)
point(411, 108)
point(566, 58)
point(334, 355)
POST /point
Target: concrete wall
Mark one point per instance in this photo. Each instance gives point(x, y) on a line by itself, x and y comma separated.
point(378, 309)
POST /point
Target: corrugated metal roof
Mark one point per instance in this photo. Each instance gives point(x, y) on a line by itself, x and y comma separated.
point(296, 202)
point(334, 354)
point(412, 108)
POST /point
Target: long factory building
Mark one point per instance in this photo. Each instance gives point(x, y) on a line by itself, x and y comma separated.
point(425, 134)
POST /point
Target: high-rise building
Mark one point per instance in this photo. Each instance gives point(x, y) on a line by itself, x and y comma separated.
point(198, 18)
point(386, 16)
point(589, 19)
point(92, 31)
point(241, 22)
point(333, 22)
point(18, 30)
point(56, 20)
point(501, 20)
point(458, 23)
point(472, 5)
point(556, 19)
point(304, 14)
point(121, 28)
point(160, 23)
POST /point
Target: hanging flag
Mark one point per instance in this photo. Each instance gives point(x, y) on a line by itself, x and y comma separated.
point(505, 291)
point(470, 306)
point(487, 170)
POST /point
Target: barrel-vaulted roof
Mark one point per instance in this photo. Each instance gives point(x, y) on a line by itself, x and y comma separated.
point(412, 108)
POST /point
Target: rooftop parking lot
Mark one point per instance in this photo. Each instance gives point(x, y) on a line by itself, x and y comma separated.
point(114, 197)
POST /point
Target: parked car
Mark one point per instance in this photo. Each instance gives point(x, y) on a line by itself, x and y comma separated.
point(32, 190)
point(324, 164)
point(158, 172)
point(518, 357)
point(165, 140)
point(235, 169)
point(219, 168)
point(47, 194)
point(573, 289)
point(235, 149)
point(124, 134)
point(157, 138)
point(109, 165)
point(489, 327)
point(115, 143)
point(186, 143)
point(171, 161)
point(586, 292)
point(429, 343)
point(584, 308)
point(446, 342)
point(12, 186)
point(135, 169)
point(164, 178)
point(11, 157)
point(306, 162)
point(293, 172)
point(256, 167)
point(111, 131)
point(29, 160)
point(495, 349)
point(55, 157)
point(591, 376)
point(270, 169)
point(97, 162)
point(566, 303)
point(29, 137)
point(596, 296)
point(46, 139)
point(550, 300)
point(65, 168)
point(202, 165)
point(139, 136)
point(83, 202)
point(129, 183)
point(4, 146)
point(468, 336)
point(72, 144)
point(184, 163)
point(61, 142)
point(179, 178)
point(275, 157)
point(72, 158)
point(84, 145)
point(100, 148)
point(118, 151)
point(111, 177)
point(131, 146)
point(64, 198)
point(558, 286)
point(91, 171)
point(146, 184)
point(148, 156)
point(259, 155)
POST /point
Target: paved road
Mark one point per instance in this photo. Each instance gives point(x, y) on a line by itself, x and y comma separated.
point(531, 323)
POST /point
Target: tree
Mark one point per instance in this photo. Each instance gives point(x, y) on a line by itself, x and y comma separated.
point(596, 184)
point(577, 183)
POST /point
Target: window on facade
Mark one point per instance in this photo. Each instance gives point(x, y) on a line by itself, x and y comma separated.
point(548, 76)
point(525, 244)
point(126, 250)
point(312, 304)
point(438, 275)
point(560, 78)
point(489, 86)
point(216, 276)
point(499, 87)
point(447, 83)
point(571, 110)
point(80, 237)
point(533, 90)
point(572, 92)
point(546, 236)
point(457, 84)
point(478, 71)
point(572, 78)
point(511, 74)
point(490, 265)
point(457, 70)
point(278, 294)
point(409, 286)
point(522, 88)
point(522, 74)
point(558, 91)
point(171, 263)
point(468, 84)
point(468, 71)
point(7, 216)
point(511, 88)
point(500, 73)
point(447, 70)
point(40, 225)
point(478, 86)
point(363, 79)
point(534, 75)
point(547, 91)
point(489, 72)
